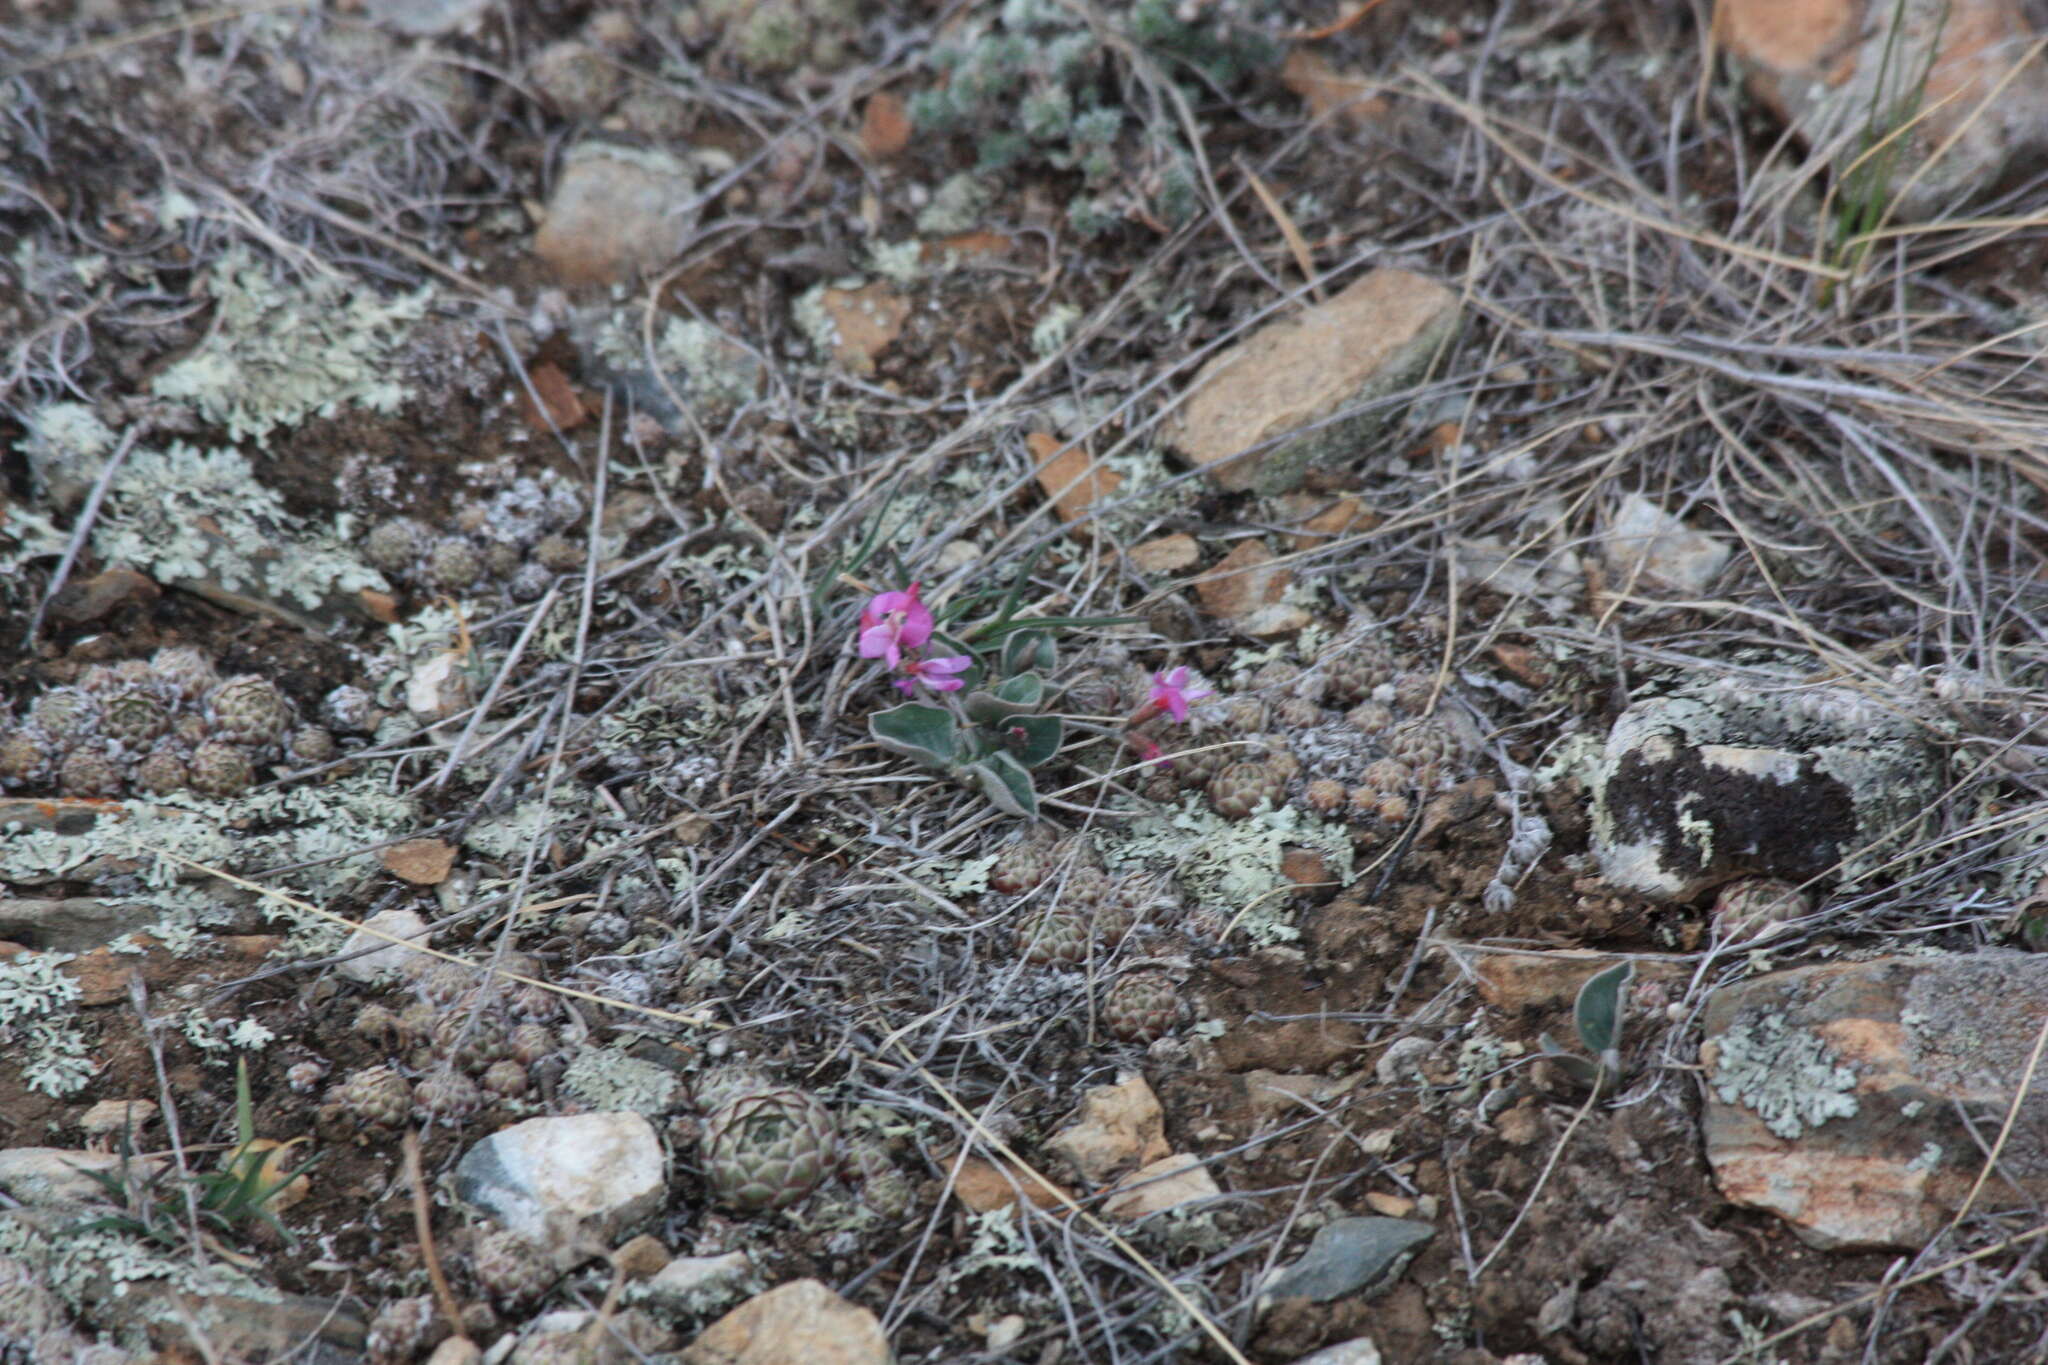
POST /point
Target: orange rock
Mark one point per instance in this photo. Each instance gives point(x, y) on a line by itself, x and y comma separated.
point(423, 862)
point(614, 210)
point(1550, 981)
point(1119, 1126)
point(1854, 1099)
point(802, 1321)
point(1307, 868)
point(381, 607)
point(884, 126)
point(1242, 583)
point(1168, 554)
point(1069, 476)
point(1823, 65)
point(865, 322)
point(1520, 661)
point(1389, 1205)
point(558, 401)
point(983, 1186)
point(1789, 35)
point(1164, 1184)
point(1260, 414)
point(1330, 92)
point(967, 246)
point(1322, 521)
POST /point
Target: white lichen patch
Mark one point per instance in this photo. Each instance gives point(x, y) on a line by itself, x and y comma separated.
point(1785, 1075)
point(320, 832)
point(1230, 866)
point(66, 445)
point(39, 1026)
point(279, 353)
point(609, 1080)
point(187, 514)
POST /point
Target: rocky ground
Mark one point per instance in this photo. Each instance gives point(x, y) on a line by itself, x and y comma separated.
point(793, 680)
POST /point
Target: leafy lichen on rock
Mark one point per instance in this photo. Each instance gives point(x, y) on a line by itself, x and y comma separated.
point(39, 1028)
point(281, 353)
point(608, 1079)
point(186, 514)
point(1785, 1075)
point(1231, 866)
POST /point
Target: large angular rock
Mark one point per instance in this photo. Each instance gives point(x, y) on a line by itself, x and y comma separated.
point(571, 1184)
point(1823, 65)
point(1368, 342)
point(1734, 779)
point(1837, 1095)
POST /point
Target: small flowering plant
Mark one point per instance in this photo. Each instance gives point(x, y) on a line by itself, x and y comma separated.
point(994, 733)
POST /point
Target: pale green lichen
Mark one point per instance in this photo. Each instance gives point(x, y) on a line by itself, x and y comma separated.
point(955, 206)
point(1786, 1075)
point(609, 1080)
point(701, 363)
point(78, 1264)
point(1231, 866)
point(39, 1028)
point(32, 987)
point(773, 36)
point(320, 832)
point(1051, 331)
point(196, 515)
point(279, 353)
point(66, 445)
point(964, 876)
point(814, 320)
point(217, 1039)
point(900, 263)
point(56, 1060)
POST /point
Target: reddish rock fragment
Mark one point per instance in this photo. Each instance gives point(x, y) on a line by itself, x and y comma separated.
point(1837, 1095)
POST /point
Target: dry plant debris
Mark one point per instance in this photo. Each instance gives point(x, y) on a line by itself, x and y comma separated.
point(988, 684)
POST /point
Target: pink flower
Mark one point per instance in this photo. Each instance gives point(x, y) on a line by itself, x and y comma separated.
point(1169, 692)
point(893, 622)
point(934, 673)
point(1149, 752)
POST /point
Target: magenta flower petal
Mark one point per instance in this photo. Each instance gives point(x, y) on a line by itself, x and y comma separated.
point(882, 641)
point(893, 622)
point(936, 673)
point(1169, 690)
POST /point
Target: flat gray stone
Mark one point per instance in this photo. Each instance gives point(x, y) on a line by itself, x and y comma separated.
point(1357, 1351)
point(56, 1175)
point(388, 958)
point(74, 924)
point(1350, 1254)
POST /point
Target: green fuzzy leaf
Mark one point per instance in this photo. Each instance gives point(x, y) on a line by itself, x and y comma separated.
point(1005, 782)
point(1597, 1015)
point(1582, 1070)
point(928, 734)
point(1010, 697)
point(1041, 739)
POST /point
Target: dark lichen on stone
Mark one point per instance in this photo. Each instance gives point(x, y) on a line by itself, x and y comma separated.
point(1716, 782)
